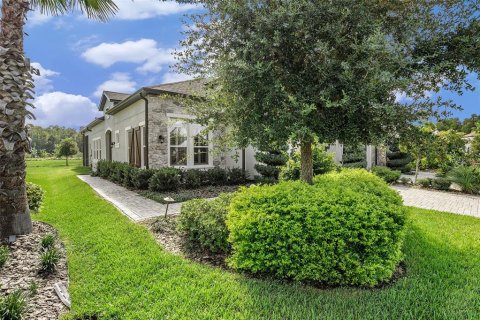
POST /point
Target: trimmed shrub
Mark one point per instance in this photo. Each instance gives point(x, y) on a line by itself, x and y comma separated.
point(468, 178)
point(441, 184)
point(35, 195)
point(104, 168)
point(141, 177)
point(337, 232)
point(203, 223)
point(194, 178)
point(216, 176)
point(386, 173)
point(236, 176)
point(425, 182)
point(13, 306)
point(269, 165)
point(127, 175)
point(165, 179)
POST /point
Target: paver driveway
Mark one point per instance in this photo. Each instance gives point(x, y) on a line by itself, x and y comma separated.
point(441, 201)
point(133, 205)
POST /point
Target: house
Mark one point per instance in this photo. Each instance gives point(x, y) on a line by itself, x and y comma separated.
point(150, 129)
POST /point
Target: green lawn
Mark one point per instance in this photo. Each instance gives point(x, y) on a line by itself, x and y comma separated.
point(117, 269)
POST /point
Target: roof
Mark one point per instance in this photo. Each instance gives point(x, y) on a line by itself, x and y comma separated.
point(92, 124)
point(116, 96)
point(188, 87)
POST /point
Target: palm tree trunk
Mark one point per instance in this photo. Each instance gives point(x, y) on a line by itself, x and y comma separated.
point(15, 90)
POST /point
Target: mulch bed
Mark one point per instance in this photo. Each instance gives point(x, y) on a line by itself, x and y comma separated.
point(21, 271)
point(166, 235)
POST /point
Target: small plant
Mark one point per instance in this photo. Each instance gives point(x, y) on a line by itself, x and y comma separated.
point(425, 183)
point(48, 241)
point(468, 178)
point(386, 173)
point(35, 195)
point(13, 306)
point(33, 288)
point(4, 254)
point(441, 184)
point(165, 179)
point(49, 260)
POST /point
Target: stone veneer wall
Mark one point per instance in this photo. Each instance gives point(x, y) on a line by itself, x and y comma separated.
point(158, 108)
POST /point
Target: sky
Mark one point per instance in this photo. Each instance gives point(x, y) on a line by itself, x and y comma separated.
point(79, 58)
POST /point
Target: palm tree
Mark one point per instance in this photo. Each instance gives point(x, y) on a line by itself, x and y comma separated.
point(16, 89)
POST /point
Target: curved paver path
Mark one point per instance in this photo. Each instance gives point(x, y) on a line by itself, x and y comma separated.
point(130, 203)
point(440, 201)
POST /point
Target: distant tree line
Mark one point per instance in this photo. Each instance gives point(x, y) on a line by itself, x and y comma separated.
point(45, 141)
point(468, 125)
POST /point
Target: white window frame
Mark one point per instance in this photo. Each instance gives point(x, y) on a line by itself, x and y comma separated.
point(174, 120)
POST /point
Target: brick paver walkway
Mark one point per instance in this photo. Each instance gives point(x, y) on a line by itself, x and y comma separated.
point(440, 201)
point(130, 203)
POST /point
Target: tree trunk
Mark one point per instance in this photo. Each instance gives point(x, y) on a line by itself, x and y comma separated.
point(417, 168)
point(15, 89)
point(66, 161)
point(306, 161)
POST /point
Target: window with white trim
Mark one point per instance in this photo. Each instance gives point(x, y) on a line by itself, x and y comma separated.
point(189, 145)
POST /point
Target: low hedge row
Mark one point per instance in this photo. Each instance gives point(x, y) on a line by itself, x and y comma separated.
point(167, 179)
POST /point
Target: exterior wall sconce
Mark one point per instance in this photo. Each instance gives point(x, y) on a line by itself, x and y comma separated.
point(161, 139)
point(113, 144)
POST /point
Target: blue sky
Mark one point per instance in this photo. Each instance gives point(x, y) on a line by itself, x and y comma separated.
point(78, 58)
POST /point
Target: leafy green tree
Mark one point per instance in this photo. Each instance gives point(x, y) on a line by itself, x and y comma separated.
point(470, 123)
point(309, 70)
point(418, 141)
point(16, 90)
point(67, 148)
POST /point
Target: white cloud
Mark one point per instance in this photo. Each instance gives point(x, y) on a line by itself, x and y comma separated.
point(146, 9)
point(43, 83)
point(119, 82)
point(60, 108)
point(144, 52)
point(36, 18)
point(175, 77)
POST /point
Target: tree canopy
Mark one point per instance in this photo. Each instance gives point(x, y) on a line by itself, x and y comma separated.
point(67, 148)
point(312, 69)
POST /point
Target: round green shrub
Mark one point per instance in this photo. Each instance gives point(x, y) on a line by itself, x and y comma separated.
point(386, 173)
point(425, 182)
point(194, 178)
point(236, 176)
point(328, 232)
point(203, 223)
point(35, 195)
point(468, 178)
point(216, 176)
point(165, 179)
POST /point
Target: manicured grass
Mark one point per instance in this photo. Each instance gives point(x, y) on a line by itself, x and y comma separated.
point(117, 270)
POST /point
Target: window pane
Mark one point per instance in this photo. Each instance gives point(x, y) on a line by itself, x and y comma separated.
point(178, 156)
point(201, 140)
point(178, 136)
point(200, 156)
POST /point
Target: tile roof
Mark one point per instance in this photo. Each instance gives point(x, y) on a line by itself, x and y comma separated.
point(188, 87)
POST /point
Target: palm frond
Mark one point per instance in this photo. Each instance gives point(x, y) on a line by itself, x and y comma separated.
point(95, 9)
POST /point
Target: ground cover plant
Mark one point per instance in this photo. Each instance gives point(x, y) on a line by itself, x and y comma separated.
point(117, 270)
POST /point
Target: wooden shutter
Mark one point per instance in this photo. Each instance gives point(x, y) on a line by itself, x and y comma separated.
point(138, 152)
point(131, 155)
